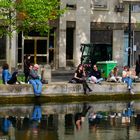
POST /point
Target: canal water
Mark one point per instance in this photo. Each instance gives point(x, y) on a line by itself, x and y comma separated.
point(71, 121)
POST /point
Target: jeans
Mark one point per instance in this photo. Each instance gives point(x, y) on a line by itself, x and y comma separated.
point(127, 80)
point(85, 85)
point(37, 113)
point(95, 80)
point(99, 80)
point(37, 86)
point(13, 79)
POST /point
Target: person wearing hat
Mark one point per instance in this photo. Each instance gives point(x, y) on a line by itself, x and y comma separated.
point(34, 79)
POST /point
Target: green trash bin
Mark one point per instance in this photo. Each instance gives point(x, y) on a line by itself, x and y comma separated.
point(105, 67)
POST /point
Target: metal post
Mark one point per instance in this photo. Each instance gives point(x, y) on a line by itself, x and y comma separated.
point(129, 39)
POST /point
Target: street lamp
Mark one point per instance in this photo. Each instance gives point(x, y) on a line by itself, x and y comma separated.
point(129, 36)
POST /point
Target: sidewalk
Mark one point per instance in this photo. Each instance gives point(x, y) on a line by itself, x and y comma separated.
point(62, 75)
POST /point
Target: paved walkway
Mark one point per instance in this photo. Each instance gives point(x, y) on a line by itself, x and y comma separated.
point(62, 75)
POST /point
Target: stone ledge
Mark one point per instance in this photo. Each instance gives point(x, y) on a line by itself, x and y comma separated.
point(63, 88)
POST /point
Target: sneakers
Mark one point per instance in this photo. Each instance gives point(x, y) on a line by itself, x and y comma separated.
point(132, 92)
point(98, 83)
point(90, 90)
point(129, 88)
point(91, 82)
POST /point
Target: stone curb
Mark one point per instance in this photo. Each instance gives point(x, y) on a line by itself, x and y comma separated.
point(64, 88)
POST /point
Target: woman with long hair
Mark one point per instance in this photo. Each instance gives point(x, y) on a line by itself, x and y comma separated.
point(80, 77)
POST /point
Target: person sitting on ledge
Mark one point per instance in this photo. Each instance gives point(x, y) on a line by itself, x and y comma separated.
point(127, 78)
point(113, 75)
point(7, 77)
point(95, 75)
point(80, 77)
point(34, 79)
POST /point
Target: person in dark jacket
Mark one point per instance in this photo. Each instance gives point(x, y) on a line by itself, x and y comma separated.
point(80, 77)
point(27, 64)
point(35, 80)
point(7, 77)
point(95, 75)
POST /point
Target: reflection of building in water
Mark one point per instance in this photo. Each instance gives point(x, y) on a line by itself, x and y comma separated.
point(52, 122)
point(69, 124)
point(58, 121)
point(137, 121)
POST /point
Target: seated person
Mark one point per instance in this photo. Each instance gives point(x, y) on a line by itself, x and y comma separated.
point(79, 77)
point(8, 78)
point(95, 75)
point(113, 76)
point(34, 79)
point(127, 78)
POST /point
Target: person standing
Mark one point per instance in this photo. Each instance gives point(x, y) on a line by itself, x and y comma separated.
point(80, 77)
point(34, 79)
point(27, 67)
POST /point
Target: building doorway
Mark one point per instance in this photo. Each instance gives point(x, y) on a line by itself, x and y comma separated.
point(69, 46)
point(37, 48)
point(41, 48)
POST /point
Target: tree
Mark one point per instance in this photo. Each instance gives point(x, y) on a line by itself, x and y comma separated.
point(27, 15)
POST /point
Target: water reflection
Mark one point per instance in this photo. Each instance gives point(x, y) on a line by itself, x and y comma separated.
point(76, 121)
point(80, 116)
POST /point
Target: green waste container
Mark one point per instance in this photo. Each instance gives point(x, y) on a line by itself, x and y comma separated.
point(105, 67)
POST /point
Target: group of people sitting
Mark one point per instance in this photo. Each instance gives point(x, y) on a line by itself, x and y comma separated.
point(127, 77)
point(32, 77)
point(94, 76)
point(80, 76)
point(30, 73)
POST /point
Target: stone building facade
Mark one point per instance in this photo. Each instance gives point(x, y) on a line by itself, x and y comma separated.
point(101, 22)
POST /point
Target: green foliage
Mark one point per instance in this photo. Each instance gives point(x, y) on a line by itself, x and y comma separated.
point(21, 78)
point(27, 15)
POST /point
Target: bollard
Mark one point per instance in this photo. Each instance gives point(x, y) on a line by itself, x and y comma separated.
point(45, 72)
